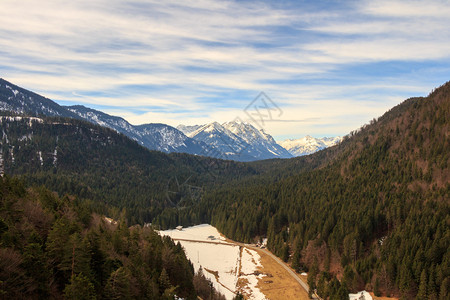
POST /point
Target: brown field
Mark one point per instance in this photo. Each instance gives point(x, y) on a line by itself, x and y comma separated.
point(278, 283)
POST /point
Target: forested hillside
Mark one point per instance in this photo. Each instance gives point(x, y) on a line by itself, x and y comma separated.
point(54, 248)
point(374, 213)
point(76, 157)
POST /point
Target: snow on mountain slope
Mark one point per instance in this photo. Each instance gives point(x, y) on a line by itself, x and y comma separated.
point(102, 119)
point(237, 140)
point(264, 146)
point(223, 143)
point(331, 141)
point(152, 136)
point(21, 101)
point(187, 129)
point(159, 137)
point(308, 144)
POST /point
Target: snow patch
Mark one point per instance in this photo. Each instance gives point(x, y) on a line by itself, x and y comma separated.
point(14, 91)
point(5, 136)
point(40, 158)
point(195, 233)
point(55, 157)
point(360, 296)
point(249, 263)
point(220, 260)
point(252, 290)
point(2, 170)
point(12, 154)
point(25, 137)
point(17, 119)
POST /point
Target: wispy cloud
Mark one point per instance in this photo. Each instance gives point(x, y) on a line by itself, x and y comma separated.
point(191, 61)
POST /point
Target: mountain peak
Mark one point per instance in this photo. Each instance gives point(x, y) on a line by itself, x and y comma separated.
point(308, 144)
point(188, 129)
point(237, 140)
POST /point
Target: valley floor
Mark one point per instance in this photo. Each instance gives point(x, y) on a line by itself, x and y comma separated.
point(234, 267)
point(279, 284)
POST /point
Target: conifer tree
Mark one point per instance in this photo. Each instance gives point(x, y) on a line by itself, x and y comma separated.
point(79, 288)
point(422, 293)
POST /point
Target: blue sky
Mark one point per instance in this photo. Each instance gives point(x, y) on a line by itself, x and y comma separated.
point(330, 66)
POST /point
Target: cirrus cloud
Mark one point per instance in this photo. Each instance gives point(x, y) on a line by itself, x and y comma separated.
point(185, 61)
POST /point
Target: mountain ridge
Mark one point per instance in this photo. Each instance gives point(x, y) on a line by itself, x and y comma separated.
point(20, 100)
point(154, 136)
point(239, 140)
point(308, 144)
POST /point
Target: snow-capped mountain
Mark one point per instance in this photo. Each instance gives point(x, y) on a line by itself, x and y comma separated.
point(152, 136)
point(309, 144)
point(159, 137)
point(264, 146)
point(237, 140)
point(223, 143)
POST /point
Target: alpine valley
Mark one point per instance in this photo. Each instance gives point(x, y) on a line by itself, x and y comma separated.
point(369, 213)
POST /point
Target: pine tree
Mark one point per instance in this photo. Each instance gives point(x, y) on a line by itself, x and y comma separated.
point(321, 286)
point(343, 292)
point(312, 276)
point(445, 287)
point(164, 281)
point(431, 287)
point(79, 288)
point(285, 252)
point(36, 266)
point(296, 260)
point(77, 257)
point(422, 293)
point(376, 288)
point(118, 286)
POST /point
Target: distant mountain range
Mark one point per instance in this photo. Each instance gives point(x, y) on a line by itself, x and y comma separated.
point(238, 141)
point(154, 136)
point(308, 144)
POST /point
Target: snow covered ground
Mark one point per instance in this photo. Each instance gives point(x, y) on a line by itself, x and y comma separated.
point(250, 261)
point(360, 296)
point(197, 233)
point(223, 262)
